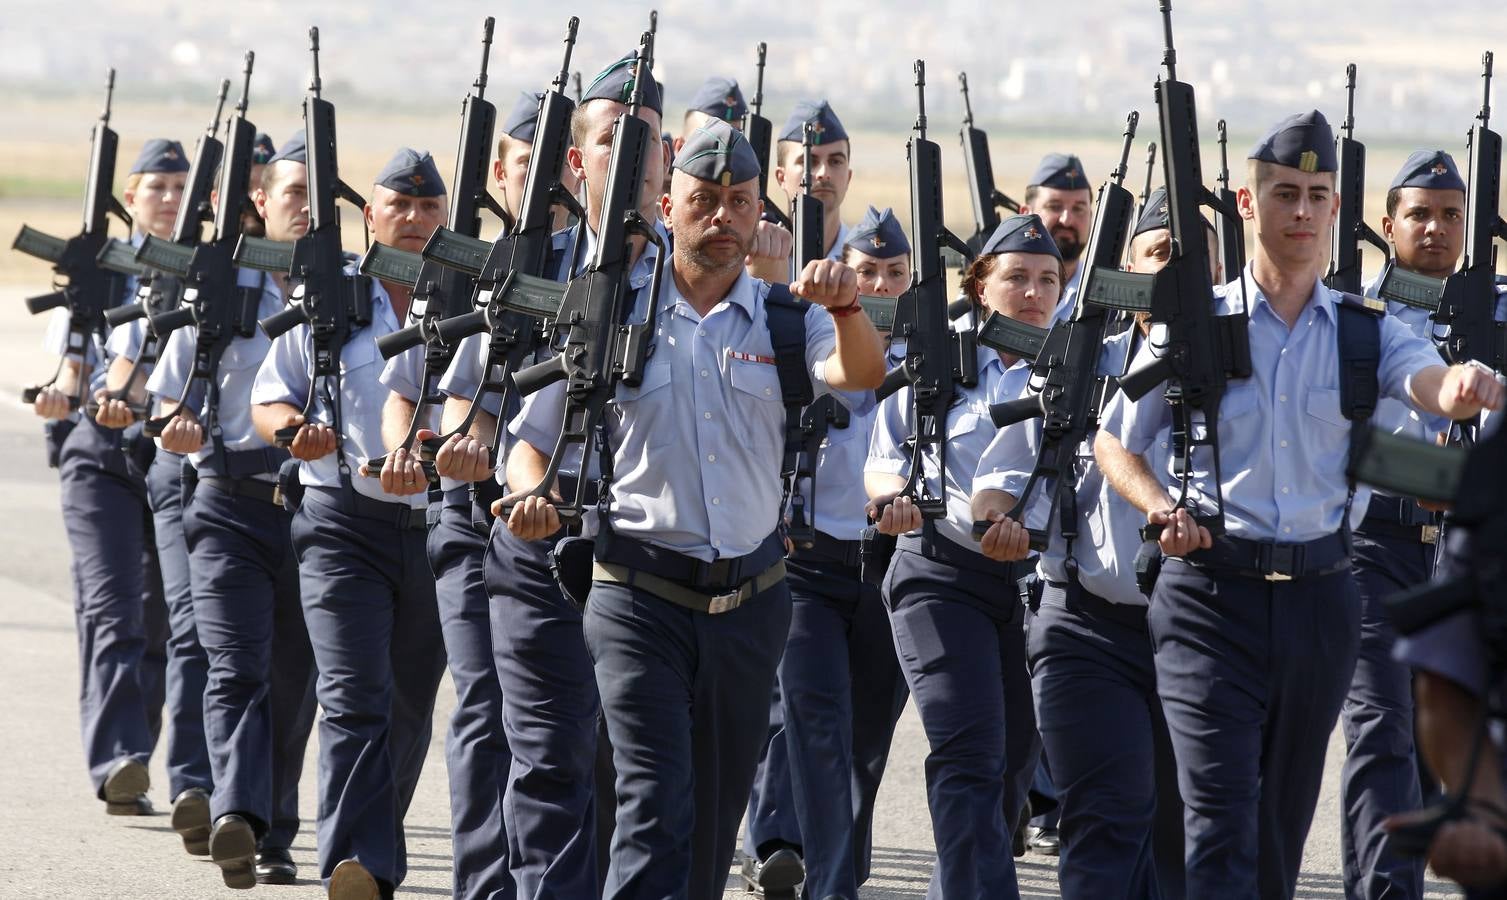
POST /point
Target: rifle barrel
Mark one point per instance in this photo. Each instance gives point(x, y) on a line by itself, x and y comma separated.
point(314, 84)
point(109, 95)
point(920, 69)
point(563, 78)
point(486, 54)
point(240, 106)
point(967, 104)
point(1131, 121)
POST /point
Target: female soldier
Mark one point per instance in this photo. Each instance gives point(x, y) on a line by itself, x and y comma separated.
point(956, 614)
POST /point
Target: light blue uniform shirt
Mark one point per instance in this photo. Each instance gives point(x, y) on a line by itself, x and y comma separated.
point(237, 373)
point(969, 431)
point(286, 376)
point(840, 244)
point(836, 505)
point(1108, 525)
point(1284, 440)
point(697, 446)
point(1069, 299)
point(56, 338)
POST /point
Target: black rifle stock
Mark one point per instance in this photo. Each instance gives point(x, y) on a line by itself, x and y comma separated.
point(80, 284)
point(601, 348)
point(1071, 388)
point(1351, 228)
point(986, 198)
point(1199, 351)
point(440, 292)
point(760, 133)
point(938, 359)
point(321, 294)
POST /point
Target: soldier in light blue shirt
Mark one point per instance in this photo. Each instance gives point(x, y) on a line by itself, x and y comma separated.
point(1089, 652)
point(1394, 550)
point(831, 166)
point(1256, 631)
point(121, 617)
point(1060, 193)
point(840, 691)
point(956, 612)
point(367, 592)
point(689, 609)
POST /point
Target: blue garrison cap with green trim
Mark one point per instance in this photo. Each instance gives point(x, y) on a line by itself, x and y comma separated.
point(718, 152)
point(720, 98)
point(262, 149)
point(523, 119)
point(616, 83)
point(825, 126)
point(293, 149)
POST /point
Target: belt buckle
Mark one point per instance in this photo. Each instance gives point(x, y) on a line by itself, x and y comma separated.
point(1276, 576)
point(1429, 534)
point(721, 603)
point(277, 495)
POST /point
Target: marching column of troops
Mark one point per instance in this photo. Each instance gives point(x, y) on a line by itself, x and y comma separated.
point(728, 651)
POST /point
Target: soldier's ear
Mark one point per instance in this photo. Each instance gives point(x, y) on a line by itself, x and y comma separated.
point(1245, 201)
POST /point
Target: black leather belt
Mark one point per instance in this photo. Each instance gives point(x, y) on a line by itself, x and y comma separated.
point(1401, 518)
point(826, 548)
point(934, 546)
point(712, 577)
point(1273, 561)
point(1079, 599)
point(265, 491)
point(398, 515)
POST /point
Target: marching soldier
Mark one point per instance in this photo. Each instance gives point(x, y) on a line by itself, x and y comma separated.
point(1060, 193)
point(831, 175)
point(1255, 632)
point(954, 603)
point(684, 673)
point(718, 99)
point(367, 592)
point(259, 700)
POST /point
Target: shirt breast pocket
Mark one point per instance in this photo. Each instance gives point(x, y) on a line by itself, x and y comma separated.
point(245, 353)
point(756, 400)
point(647, 409)
point(1327, 437)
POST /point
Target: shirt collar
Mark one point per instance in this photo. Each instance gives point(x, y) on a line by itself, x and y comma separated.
point(643, 270)
point(1320, 298)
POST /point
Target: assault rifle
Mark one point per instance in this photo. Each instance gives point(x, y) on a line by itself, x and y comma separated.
point(938, 359)
point(1230, 232)
point(1145, 196)
point(807, 214)
point(440, 292)
point(220, 309)
point(1199, 351)
point(1351, 228)
point(80, 284)
point(601, 348)
point(987, 199)
point(521, 297)
point(160, 290)
point(760, 133)
point(321, 294)
point(1071, 390)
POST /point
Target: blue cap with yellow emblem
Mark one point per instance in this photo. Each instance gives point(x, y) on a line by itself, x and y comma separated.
point(523, 119)
point(1303, 141)
point(1021, 234)
point(825, 126)
point(160, 155)
point(879, 235)
point(718, 152)
point(1431, 169)
point(262, 149)
point(412, 172)
point(720, 98)
point(1062, 171)
point(293, 150)
point(616, 83)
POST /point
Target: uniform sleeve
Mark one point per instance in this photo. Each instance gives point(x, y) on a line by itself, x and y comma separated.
point(542, 417)
point(174, 363)
point(1007, 462)
point(403, 373)
point(284, 375)
point(1141, 421)
point(126, 340)
point(1403, 355)
point(821, 342)
point(1451, 648)
point(887, 454)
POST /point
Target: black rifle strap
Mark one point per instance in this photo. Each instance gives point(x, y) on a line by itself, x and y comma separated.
point(785, 317)
point(1358, 327)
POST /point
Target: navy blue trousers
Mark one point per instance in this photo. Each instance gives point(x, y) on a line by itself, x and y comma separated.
point(476, 749)
point(259, 700)
point(1102, 728)
point(770, 821)
point(842, 694)
point(1380, 777)
point(556, 788)
point(368, 601)
point(118, 606)
point(959, 637)
point(187, 665)
point(1251, 675)
point(686, 700)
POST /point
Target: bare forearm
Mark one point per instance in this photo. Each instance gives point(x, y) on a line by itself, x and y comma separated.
point(526, 467)
point(857, 364)
point(990, 501)
point(119, 376)
point(454, 414)
point(880, 484)
point(1448, 717)
point(267, 418)
point(1129, 475)
point(397, 415)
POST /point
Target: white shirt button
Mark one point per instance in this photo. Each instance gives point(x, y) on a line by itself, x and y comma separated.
point(711, 457)
point(703, 373)
point(1287, 490)
point(768, 391)
point(1287, 530)
point(1284, 443)
point(708, 415)
point(1282, 397)
point(716, 501)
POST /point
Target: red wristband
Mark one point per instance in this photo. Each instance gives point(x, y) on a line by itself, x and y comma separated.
point(841, 311)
